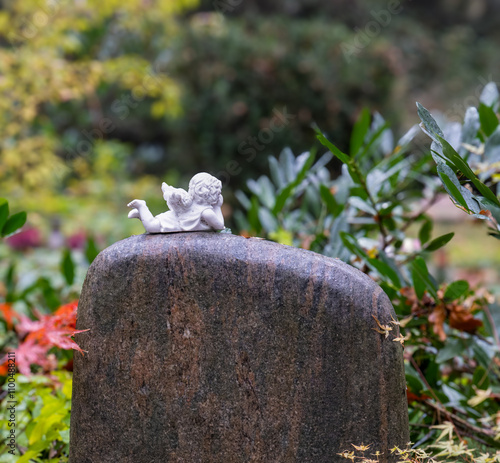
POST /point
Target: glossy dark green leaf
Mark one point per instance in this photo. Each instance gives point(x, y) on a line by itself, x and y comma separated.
point(488, 118)
point(68, 267)
point(373, 138)
point(351, 243)
point(451, 184)
point(456, 290)
point(4, 212)
point(422, 281)
point(333, 207)
point(10, 282)
point(359, 132)
point(385, 271)
point(425, 232)
point(439, 242)
point(253, 215)
point(462, 166)
point(327, 144)
point(91, 250)
point(14, 223)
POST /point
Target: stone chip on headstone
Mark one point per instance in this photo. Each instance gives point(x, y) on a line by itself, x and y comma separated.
point(207, 347)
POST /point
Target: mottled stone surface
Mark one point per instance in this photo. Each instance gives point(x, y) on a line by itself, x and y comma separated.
point(209, 347)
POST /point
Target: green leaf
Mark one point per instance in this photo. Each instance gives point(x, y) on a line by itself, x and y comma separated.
point(64, 435)
point(13, 223)
point(331, 203)
point(480, 378)
point(425, 232)
point(374, 137)
point(488, 118)
point(439, 242)
point(68, 267)
point(287, 191)
point(471, 126)
point(489, 95)
point(268, 221)
point(422, 281)
point(364, 206)
point(450, 183)
point(351, 243)
point(456, 290)
point(277, 173)
point(452, 157)
point(253, 215)
point(453, 348)
point(327, 144)
point(481, 356)
point(429, 124)
point(385, 271)
point(359, 132)
point(28, 456)
point(414, 383)
point(462, 166)
point(91, 250)
point(4, 212)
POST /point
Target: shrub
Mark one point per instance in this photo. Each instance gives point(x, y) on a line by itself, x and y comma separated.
point(369, 216)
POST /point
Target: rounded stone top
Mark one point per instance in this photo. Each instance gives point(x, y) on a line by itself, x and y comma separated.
point(225, 256)
point(225, 247)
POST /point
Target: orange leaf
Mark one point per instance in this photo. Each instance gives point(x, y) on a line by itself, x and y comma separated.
point(437, 318)
point(8, 314)
point(463, 320)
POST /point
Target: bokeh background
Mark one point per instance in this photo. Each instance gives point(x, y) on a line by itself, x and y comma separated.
point(101, 101)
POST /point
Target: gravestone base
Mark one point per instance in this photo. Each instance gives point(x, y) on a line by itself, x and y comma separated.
point(207, 347)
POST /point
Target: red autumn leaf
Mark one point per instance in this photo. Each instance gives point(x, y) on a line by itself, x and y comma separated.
point(48, 331)
point(412, 397)
point(30, 352)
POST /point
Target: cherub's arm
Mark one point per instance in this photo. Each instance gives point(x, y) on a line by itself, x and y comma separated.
point(142, 212)
point(213, 217)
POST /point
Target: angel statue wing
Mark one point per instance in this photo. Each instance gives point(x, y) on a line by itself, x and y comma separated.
point(178, 200)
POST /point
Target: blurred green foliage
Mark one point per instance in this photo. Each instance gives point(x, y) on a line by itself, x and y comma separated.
point(95, 93)
point(42, 417)
point(64, 67)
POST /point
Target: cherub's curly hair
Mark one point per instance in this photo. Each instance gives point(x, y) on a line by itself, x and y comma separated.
point(206, 187)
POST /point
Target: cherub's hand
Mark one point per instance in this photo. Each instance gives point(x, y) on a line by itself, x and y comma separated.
point(167, 190)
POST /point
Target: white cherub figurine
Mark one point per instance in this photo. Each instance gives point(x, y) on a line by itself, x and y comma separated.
point(197, 210)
